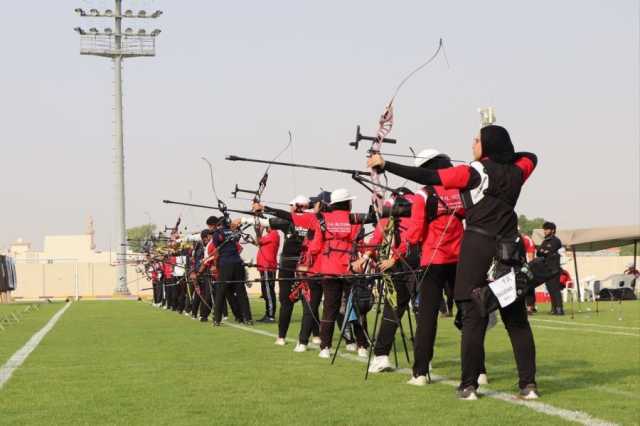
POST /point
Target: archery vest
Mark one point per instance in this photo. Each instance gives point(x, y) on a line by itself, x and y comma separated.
point(444, 213)
point(490, 205)
point(338, 238)
point(439, 202)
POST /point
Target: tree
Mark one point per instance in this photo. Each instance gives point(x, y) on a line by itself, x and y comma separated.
point(628, 250)
point(528, 225)
point(138, 235)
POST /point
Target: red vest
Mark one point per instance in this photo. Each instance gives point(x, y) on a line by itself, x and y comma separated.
point(333, 242)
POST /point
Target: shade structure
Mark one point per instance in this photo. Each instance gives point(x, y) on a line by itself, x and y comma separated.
point(594, 239)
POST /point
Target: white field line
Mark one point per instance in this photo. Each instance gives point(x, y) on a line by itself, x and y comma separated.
point(18, 358)
point(540, 407)
point(584, 324)
point(605, 389)
point(588, 330)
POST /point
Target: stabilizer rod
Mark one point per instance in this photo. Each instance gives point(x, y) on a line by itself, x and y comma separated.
point(302, 166)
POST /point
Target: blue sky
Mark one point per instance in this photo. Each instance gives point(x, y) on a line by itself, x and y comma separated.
point(234, 77)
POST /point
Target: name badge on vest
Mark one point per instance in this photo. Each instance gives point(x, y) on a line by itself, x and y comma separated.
point(504, 289)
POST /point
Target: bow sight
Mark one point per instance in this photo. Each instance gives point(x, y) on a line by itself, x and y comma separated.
point(361, 137)
point(237, 190)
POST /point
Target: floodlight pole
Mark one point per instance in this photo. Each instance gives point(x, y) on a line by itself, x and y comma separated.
point(110, 45)
point(118, 148)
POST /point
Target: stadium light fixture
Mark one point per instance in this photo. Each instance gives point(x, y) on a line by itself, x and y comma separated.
point(156, 14)
point(81, 12)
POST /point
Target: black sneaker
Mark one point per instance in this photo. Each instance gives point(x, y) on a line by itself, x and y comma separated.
point(467, 394)
point(216, 324)
point(204, 319)
point(269, 320)
point(263, 319)
point(529, 392)
point(249, 322)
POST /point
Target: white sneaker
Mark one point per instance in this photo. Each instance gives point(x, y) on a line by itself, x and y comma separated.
point(363, 352)
point(280, 341)
point(483, 380)
point(351, 347)
point(325, 353)
point(316, 340)
point(300, 348)
point(379, 364)
point(417, 381)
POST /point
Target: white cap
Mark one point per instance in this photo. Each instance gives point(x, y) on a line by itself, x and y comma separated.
point(300, 200)
point(340, 195)
point(426, 155)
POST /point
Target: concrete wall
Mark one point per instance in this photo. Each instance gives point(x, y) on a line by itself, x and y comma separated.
point(58, 280)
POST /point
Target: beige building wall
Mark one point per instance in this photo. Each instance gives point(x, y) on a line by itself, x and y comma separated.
point(87, 280)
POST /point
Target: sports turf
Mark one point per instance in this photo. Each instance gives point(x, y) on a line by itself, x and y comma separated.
point(124, 362)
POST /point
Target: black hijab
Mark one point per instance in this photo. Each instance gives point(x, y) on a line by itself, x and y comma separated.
point(496, 144)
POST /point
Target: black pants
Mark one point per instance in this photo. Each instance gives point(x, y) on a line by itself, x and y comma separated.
point(181, 294)
point(333, 290)
point(476, 254)
point(287, 274)
point(391, 317)
point(157, 291)
point(310, 313)
point(435, 280)
point(197, 294)
point(208, 294)
point(232, 272)
point(555, 292)
point(171, 293)
point(446, 306)
point(474, 328)
point(268, 287)
point(530, 298)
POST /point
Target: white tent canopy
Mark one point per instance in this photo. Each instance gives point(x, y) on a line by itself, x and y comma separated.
point(594, 239)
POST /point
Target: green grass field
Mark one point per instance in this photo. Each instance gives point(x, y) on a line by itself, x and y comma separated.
point(124, 362)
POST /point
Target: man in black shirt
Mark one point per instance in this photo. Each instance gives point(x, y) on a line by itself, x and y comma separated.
point(549, 250)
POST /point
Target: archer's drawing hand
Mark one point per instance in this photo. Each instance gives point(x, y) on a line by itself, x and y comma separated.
point(376, 162)
point(257, 208)
point(358, 265)
point(235, 223)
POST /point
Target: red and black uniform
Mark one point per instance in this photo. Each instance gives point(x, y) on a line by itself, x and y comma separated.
point(267, 262)
point(490, 189)
point(155, 272)
point(436, 216)
point(169, 282)
point(332, 247)
point(310, 323)
point(294, 227)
